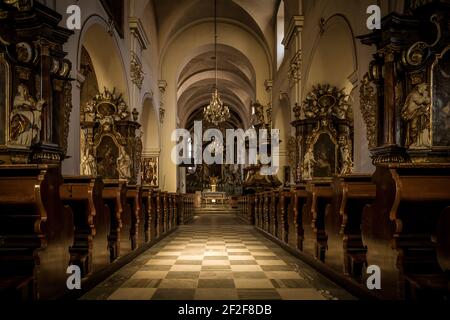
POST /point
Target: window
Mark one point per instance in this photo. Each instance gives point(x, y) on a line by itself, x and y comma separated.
point(280, 34)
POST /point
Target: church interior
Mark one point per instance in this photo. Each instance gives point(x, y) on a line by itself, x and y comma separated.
point(98, 98)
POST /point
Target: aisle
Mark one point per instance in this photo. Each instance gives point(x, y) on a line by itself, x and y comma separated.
point(217, 257)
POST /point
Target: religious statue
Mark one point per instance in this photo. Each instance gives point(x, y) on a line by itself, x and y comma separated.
point(416, 114)
point(308, 164)
point(89, 111)
point(347, 162)
point(25, 118)
point(258, 116)
point(123, 164)
point(122, 112)
point(88, 164)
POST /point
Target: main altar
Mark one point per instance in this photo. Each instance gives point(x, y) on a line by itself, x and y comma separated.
point(212, 197)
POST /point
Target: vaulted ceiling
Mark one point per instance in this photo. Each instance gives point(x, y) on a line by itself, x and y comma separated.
point(236, 73)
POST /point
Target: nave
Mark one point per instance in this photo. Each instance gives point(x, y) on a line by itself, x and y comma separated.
point(217, 257)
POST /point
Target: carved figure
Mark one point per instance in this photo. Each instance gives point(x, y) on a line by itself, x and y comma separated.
point(123, 164)
point(308, 164)
point(88, 164)
point(416, 114)
point(25, 118)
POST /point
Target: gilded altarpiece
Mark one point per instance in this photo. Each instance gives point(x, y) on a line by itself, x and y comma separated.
point(35, 86)
point(324, 131)
point(111, 140)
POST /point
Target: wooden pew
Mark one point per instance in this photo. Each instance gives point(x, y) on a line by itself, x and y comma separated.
point(257, 221)
point(266, 211)
point(36, 232)
point(273, 208)
point(137, 219)
point(348, 252)
point(321, 195)
point(147, 207)
point(169, 211)
point(251, 209)
point(282, 215)
point(165, 210)
point(413, 200)
point(295, 225)
point(260, 211)
point(83, 194)
point(114, 196)
point(159, 213)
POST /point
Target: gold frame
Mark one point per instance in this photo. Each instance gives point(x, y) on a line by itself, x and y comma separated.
point(312, 140)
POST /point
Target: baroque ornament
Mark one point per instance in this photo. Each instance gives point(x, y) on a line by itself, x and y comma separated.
point(369, 105)
point(326, 100)
point(137, 75)
point(294, 73)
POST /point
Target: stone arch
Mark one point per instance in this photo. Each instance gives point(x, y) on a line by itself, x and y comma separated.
point(334, 57)
point(106, 58)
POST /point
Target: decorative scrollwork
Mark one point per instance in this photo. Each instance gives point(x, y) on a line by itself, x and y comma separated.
point(21, 5)
point(294, 73)
point(137, 75)
point(326, 100)
point(419, 51)
point(369, 105)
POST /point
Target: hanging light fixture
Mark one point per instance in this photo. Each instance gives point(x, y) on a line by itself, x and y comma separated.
point(216, 112)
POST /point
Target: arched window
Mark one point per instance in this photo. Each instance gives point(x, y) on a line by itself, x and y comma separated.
point(280, 34)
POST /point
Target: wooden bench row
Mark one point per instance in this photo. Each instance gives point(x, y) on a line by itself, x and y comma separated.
point(48, 222)
point(398, 219)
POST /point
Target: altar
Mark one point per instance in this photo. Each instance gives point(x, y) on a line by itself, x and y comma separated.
point(211, 198)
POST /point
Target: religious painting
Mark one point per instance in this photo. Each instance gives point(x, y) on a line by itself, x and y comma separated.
point(107, 154)
point(325, 156)
point(150, 171)
point(106, 109)
point(441, 100)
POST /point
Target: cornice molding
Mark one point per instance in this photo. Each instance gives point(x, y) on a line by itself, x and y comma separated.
point(138, 31)
point(295, 27)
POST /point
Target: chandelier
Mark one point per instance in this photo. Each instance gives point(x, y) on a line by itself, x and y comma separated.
point(216, 112)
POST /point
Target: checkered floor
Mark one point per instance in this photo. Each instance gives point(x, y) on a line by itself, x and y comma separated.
point(216, 258)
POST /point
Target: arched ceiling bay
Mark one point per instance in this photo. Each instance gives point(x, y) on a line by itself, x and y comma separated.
point(256, 15)
point(235, 82)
